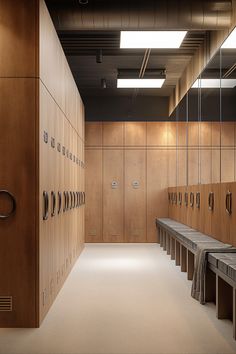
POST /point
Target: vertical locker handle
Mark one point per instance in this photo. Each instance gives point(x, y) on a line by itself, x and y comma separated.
point(77, 199)
point(186, 199)
point(191, 199)
point(180, 198)
point(59, 202)
point(65, 202)
point(13, 201)
point(53, 203)
point(198, 199)
point(228, 202)
point(45, 205)
point(74, 200)
point(211, 201)
point(71, 200)
point(84, 198)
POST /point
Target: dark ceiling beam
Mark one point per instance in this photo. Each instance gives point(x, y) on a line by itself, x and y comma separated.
point(143, 15)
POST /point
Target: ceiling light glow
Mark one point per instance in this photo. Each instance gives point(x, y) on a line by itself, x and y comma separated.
point(151, 39)
point(140, 83)
point(230, 42)
point(214, 83)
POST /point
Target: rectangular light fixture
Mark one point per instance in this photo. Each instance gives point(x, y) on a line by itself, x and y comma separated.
point(230, 42)
point(140, 83)
point(151, 39)
point(214, 83)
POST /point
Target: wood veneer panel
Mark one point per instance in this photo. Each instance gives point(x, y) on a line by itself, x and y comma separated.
point(205, 166)
point(113, 197)
point(18, 246)
point(182, 133)
point(93, 188)
point(227, 134)
point(193, 134)
point(113, 134)
point(93, 134)
point(157, 195)
point(227, 165)
point(193, 166)
point(135, 133)
point(19, 34)
point(205, 133)
point(135, 198)
point(157, 134)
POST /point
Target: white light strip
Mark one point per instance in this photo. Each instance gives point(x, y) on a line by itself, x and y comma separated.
point(214, 83)
point(151, 39)
point(140, 83)
point(230, 42)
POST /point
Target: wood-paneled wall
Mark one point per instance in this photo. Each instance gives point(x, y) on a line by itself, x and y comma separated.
point(42, 116)
point(158, 155)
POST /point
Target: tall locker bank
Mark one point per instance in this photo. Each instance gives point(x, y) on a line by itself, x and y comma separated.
point(42, 164)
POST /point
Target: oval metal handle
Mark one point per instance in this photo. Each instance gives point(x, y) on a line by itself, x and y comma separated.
point(65, 202)
point(13, 201)
point(186, 199)
point(59, 202)
point(53, 200)
point(180, 198)
point(45, 205)
point(228, 202)
point(191, 199)
point(211, 201)
point(198, 200)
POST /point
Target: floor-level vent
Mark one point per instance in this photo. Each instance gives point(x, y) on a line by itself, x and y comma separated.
point(5, 303)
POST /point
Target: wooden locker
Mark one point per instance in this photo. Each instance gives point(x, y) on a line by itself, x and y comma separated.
point(232, 216)
point(113, 134)
point(215, 165)
point(135, 196)
point(206, 213)
point(172, 167)
point(216, 213)
point(157, 194)
point(157, 133)
point(193, 166)
point(205, 165)
point(193, 134)
point(93, 189)
point(113, 196)
point(227, 134)
point(93, 134)
point(182, 166)
point(225, 217)
point(135, 133)
point(205, 134)
point(182, 129)
point(171, 134)
point(227, 165)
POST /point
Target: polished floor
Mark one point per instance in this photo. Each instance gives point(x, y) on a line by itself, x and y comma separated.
point(122, 299)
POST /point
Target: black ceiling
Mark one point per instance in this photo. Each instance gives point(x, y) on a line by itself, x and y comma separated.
point(81, 48)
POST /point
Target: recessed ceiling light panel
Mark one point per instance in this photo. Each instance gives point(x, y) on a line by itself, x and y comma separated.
point(214, 83)
point(151, 39)
point(230, 42)
point(140, 83)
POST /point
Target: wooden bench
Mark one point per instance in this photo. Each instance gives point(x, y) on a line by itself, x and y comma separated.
point(180, 242)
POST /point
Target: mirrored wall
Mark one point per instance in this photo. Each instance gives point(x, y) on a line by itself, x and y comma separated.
point(206, 124)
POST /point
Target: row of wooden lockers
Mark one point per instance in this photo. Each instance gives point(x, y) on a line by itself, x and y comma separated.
point(209, 208)
point(71, 200)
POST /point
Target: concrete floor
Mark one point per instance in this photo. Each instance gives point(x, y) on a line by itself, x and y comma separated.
point(124, 298)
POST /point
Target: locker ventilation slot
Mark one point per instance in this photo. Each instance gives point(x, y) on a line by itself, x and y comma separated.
point(5, 303)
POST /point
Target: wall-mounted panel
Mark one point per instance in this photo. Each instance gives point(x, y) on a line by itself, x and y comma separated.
point(157, 134)
point(93, 134)
point(113, 134)
point(135, 133)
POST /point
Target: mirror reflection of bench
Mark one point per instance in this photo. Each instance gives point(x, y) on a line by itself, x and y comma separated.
point(180, 242)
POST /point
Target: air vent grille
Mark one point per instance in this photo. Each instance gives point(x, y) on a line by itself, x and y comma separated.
point(5, 303)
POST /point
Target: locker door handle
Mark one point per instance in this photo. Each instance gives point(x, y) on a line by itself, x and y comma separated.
point(65, 202)
point(198, 200)
point(169, 197)
point(228, 202)
point(77, 199)
point(13, 202)
point(74, 200)
point(186, 199)
point(45, 205)
point(211, 201)
point(59, 202)
point(53, 201)
point(71, 200)
point(191, 199)
point(180, 198)
point(84, 198)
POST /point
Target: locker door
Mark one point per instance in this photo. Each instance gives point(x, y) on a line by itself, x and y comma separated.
point(113, 196)
point(157, 195)
point(135, 196)
point(93, 189)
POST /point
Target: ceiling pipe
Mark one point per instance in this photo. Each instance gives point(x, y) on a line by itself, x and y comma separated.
point(143, 15)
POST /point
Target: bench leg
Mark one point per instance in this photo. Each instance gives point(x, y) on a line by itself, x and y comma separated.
point(164, 240)
point(210, 286)
point(190, 265)
point(172, 248)
point(183, 258)
point(168, 243)
point(161, 237)
point(234, 313)
point(177, 253)
point(158, 234)
point(224, 299)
